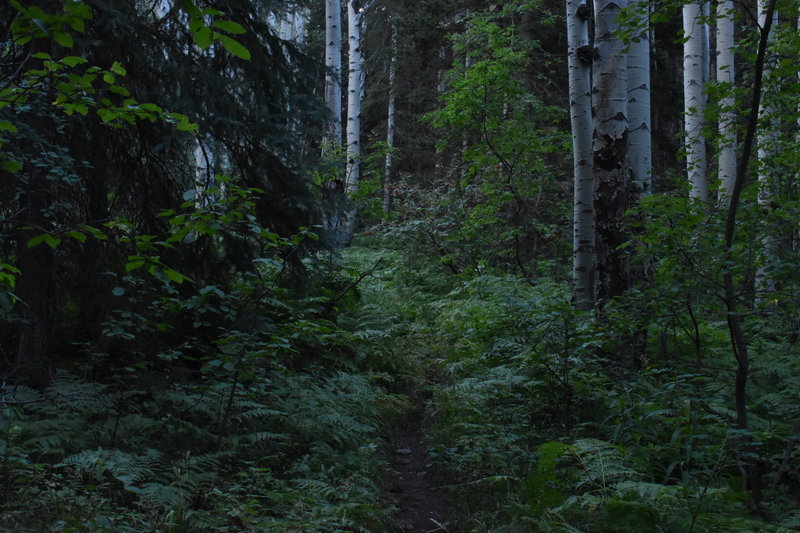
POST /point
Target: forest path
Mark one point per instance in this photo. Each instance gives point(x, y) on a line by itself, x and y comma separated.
point(421, 508)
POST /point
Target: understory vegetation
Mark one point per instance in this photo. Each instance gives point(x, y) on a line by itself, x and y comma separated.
point(188, 345)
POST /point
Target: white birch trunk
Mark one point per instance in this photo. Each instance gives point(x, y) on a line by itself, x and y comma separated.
point(355, 88)
point(613, 188)
point(390, 122)
point(765, 141)
point(639, 138)
point(333, 79)
point(580, 104)
point(726, 74)
point(694, 99)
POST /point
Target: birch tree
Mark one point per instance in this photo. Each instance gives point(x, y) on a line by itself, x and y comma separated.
point(694, 100)
point(580, 103)
point(613, 188)
point(333, 63)
point(639, 138)
point(766, 140)
point(390, 122)
point(726, 75)
point(355, 89)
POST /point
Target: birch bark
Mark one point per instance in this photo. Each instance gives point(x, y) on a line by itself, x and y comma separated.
point(694, 100)
point(390, 124)
point(765, 141)
point(726, 74)
point(580, 103)
point(612, 182)
point(333, 79)
point(355, 88)
point(639, 140)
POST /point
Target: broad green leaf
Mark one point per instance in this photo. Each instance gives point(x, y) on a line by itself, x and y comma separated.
point(11, 166)
point(77, 25)
point(134, 263)
point(77, 235)
point(234, 47)
point(36, 241)
point(6, 125)
point(94, 232)
point(109, 78)
point(175, 276)
point(46, 238)
point(117, 89)
point(64, 39)
point(73, 61)
point(229, 26)
point(117, 68)
point(203, 37)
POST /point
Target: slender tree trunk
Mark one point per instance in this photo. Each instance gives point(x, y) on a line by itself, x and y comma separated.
point(694, 99)
point(355, 88)
point(738, 339)
point(612, 180)
point(390, 124)
point(726, 74)
point(765, 140)
point(333, 79)
point(580, 103)
point(639, 140)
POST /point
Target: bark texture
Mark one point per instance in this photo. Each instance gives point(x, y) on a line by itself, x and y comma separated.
point(694, 100)
point(333, 62)
point(612, 177)
point(580, 105)
point(726, 74)
point(391, 113)
point(639, 139)
point(355, 89)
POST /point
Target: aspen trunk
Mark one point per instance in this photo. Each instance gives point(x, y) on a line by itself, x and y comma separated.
point(333, 79)
point(726, 74)
point(694, 99)
point(639, 139)
point(355, 88)
point(390, 124)
point(580, 103)
point(612, 182)
point(765, 141)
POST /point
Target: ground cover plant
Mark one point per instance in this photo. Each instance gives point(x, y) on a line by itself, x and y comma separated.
point(499, 290)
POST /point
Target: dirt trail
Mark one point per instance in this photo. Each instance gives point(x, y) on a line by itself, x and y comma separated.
point(421, 507)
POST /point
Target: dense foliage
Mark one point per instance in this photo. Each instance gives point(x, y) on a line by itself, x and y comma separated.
point(182, 348)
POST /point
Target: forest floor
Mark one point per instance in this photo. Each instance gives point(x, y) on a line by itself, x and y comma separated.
point(421, 507)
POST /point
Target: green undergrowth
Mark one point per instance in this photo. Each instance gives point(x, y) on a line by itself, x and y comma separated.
point(299, 452)
point(239, 408)
point(538, 428)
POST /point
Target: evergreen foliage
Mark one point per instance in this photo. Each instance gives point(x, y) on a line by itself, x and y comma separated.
point(181, 349)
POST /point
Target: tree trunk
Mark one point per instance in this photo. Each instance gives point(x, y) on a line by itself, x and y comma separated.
point(766, 139)
point(355, 90)
point(333, 78)
point(390, 124)
point(726, 74)
point(639, 139)
point(694, 99)
point(580, 103)
point(612, 181)
point(738, 340)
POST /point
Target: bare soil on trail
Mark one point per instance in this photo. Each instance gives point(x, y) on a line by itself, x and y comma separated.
point(422, 508)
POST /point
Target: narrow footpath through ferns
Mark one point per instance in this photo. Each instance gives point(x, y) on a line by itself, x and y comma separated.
point(421, 507)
